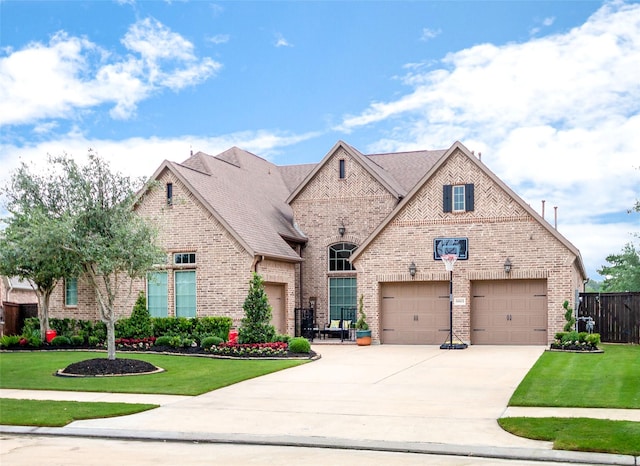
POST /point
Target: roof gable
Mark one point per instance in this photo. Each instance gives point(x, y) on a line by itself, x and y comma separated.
point(458, 147)
point(245, 193)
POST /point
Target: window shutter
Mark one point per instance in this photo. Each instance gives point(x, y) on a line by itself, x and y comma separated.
point(468, 194)
point(446, 198)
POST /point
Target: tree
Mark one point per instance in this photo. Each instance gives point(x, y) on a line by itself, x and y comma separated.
point(256, 326)
point(113, 244)
point(624, 272)
point(32, 246)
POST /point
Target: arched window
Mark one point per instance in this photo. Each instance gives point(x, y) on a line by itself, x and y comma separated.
point(339, 255)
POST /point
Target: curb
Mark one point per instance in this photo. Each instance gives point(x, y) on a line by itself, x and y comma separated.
point(470, 451)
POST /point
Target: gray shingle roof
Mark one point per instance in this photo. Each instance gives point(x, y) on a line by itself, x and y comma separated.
point(248, 194)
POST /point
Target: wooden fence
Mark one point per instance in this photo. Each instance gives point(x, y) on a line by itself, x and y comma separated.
point(616, 315)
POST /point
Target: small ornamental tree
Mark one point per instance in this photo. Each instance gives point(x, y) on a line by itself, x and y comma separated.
point(256, 326)
point(569, 317)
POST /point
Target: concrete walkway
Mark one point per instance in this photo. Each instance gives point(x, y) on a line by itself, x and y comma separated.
point(394, 398)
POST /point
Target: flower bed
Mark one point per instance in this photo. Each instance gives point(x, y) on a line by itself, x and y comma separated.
point(135, 343)
point(276, 349)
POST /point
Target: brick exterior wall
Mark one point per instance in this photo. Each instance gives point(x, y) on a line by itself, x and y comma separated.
point(497, 228)
point(358, 201)
point(223, 267)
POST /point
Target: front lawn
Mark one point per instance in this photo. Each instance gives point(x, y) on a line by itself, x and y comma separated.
point(184, 375)
point(607, 380)
point(579, 434)
point(60, 413)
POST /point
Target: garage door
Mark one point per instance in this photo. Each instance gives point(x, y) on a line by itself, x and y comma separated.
point(275, 295)
point(509, 312)
point(415, 313)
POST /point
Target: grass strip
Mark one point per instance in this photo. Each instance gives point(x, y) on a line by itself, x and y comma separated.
point(579, 434)
point(184, 375)
point(607, 380)
point(60, 413)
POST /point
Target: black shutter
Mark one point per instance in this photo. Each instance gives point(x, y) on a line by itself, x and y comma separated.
point(468, 197)
point(446, 198)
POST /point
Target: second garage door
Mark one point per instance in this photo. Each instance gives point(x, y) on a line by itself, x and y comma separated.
point(509, 312)
point(415, 313)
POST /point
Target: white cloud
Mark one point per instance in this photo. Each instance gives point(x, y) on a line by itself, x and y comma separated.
point(71, 74)
point(219, 39)
point(557, 118)
point(428, 34)
point(281, 41)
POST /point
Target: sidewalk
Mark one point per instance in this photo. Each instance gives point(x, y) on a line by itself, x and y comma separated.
point(386, 398)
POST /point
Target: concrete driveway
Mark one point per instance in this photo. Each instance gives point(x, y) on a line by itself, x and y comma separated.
point(353, 394)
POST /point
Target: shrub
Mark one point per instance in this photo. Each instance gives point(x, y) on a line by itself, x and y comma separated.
point(209, 326)
point(569, 317)
point(560, 335)
point(164, 340)
point(77, 340)
point(569, 338)
point(208, 342)
point(299, 345)
point(7, 341)
point(256, 325)
point(61, 340)
point(31, 325)
point(282, 338)
point(93, 341)
point(35, 340)
point(593, 339)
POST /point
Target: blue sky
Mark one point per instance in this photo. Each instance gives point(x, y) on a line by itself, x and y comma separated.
point(547, 91)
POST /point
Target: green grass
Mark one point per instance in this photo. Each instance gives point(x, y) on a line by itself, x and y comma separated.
point(579, 434)
point(607, 380)
point(60, 413)
point(184, 375)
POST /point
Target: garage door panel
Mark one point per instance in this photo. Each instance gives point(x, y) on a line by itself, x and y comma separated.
point(509, 312)
point(414, 313)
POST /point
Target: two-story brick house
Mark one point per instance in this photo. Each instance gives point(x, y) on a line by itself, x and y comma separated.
point(351, 225)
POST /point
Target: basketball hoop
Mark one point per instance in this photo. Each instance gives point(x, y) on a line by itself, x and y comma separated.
point(449, 260)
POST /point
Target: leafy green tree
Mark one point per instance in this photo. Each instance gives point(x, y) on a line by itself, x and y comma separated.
point(113, 244)
point(35, 243)
point(256, 326)
point(624, 272)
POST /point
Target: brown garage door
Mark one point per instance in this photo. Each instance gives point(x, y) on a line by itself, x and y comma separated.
point(509, 312)
point(415, 313)
point(275, 295)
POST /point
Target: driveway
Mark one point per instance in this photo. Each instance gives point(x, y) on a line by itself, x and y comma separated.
point(378, 393)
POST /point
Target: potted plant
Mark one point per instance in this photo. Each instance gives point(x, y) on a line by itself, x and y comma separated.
point(363, 334)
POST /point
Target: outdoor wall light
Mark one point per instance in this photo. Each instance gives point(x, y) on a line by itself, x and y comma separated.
point(412, 269)
point(341, 230)
point(507, 266)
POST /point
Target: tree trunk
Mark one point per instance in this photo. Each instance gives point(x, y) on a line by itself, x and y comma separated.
point(43, 312)
point(111, 339)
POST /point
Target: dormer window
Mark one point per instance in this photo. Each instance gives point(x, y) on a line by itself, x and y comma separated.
point(342, 169)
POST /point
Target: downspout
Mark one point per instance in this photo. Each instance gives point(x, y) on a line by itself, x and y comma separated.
point(256, 261)
point(302, 246)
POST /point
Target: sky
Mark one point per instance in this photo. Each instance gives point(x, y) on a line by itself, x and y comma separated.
point(547, 91)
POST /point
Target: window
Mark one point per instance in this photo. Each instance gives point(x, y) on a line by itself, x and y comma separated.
point(342, 169)
point(339, 255)
point(157, 294)
point(342, 294)
point(71, 292)
point(458, 198)
point(184, 258)
point(169, 193)
point(185, 293)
